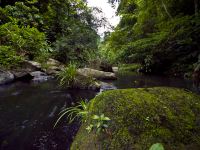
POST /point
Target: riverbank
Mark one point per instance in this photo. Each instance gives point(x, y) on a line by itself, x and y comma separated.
point(69, 75)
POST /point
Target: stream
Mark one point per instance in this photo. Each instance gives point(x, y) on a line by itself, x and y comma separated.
point(28, 111)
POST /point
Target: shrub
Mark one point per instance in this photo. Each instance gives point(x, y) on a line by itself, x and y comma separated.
point(25, 40)
point(43, 57)
point(8, 57)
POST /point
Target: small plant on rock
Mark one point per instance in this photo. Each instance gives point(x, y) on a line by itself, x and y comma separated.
point(100, 123)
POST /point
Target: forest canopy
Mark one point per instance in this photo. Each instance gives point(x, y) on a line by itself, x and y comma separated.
point(162, 35)
point(36, 29)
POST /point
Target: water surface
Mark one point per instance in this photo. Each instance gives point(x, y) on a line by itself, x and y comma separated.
point(28, 111)
point(134, 80)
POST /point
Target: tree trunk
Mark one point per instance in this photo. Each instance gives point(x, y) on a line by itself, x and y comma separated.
point(196, 7)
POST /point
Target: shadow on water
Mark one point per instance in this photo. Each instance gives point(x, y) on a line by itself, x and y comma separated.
point(28, 111)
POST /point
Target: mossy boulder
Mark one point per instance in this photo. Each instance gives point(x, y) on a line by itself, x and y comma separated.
point(85, 82)
point(142, 117)
point(96, 74)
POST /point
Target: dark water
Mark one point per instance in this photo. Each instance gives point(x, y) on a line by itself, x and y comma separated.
point(133, 80)
point(28, 111)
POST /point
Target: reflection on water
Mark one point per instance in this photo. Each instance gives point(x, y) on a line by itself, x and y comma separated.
point(28, 111)
point(133, 80)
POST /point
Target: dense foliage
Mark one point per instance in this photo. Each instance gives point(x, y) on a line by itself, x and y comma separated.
point(161, 35)
point(8, 57)
point(63, 29)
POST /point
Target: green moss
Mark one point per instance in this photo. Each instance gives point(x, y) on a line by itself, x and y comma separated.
point(142, 117)
point(129, 67)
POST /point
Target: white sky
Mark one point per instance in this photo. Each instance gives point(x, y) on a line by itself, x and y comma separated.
point(107, 10)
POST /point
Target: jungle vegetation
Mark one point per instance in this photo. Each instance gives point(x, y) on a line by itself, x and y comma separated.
point(162, 35)
point(38, 29)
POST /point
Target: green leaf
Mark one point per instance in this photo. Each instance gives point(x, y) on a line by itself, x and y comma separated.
point(102, 116)
point(95, 117)
point(157, 146)
point(89, 128)
point(98, 124)
point(98, 130)
point(106, 118)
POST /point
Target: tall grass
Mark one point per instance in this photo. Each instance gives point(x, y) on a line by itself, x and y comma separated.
point(76, 112)
point(67, 76)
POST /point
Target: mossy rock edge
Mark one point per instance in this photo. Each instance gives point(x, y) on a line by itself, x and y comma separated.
point(144, 116)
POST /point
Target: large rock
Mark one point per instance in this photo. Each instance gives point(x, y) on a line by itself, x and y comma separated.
point(142, 117)
point(115, 69)
point(85, 82)
point(20, 74)
point(6, 77)
point(107, 86)
point(51, 71)
point(96, 74)
point(54, 67)
point(39, 76)
point(26, 67)
point(53, 62)
point(31, 65)
point(54, 70)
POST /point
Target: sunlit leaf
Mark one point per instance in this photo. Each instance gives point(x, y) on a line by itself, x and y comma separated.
point(157, 146)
